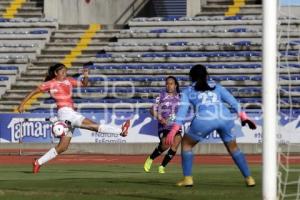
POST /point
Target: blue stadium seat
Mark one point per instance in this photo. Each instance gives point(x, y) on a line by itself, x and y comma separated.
point(294, 112)
point(171, 18)
point(292, 77)
point(162, 30)
point(179, 43)
point(212, 66)
point(237, 78)
point(145, 66)
point(142, 66)
point(104, 55)
point(49, 101)
point(227, 54)
point(8, 68)
point(242, 43)
point(256, 78)
point(94, 79)
point(291, 101)
point(146, 55)
point(110, 100)
point(182, 78)
point(289, 53)
point(248, 53)
point(100, 67)
point(253, 66)
point(292, 89)
point(250, 100)
point(294, 65)
point(237, 30)
point(205, 54)
point(294, 42)
point(219, 78)
point(233, 66)
point(237, 17)
point(250, 90)
point(4, 20)
point(39, 32)
point(3, 78)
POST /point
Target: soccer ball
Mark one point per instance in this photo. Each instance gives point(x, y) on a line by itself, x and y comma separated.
point(60, 129)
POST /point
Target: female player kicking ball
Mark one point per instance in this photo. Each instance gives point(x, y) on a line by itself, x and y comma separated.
point(60, 88)
point(207, 99)
point(164, 111)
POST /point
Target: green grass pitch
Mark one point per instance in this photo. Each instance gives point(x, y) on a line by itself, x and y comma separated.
point(87, 182)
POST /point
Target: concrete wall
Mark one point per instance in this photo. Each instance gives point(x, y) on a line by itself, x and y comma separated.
point(292, 11)
point(96, 11)
point(194, 7)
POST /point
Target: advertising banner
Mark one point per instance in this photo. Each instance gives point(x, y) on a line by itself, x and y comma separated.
point(36, 128)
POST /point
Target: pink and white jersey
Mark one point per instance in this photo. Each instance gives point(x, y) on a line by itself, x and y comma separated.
point(61, 91)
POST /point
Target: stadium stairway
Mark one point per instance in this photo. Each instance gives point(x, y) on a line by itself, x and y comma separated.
point(231, 8)
point(29, 9)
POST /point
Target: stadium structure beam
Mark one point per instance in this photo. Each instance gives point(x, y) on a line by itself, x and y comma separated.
point(270, 122)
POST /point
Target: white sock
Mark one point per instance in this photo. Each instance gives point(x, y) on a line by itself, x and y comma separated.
point(108, 129)
point(47, 156)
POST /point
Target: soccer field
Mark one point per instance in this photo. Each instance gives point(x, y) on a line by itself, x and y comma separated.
point(128, 181)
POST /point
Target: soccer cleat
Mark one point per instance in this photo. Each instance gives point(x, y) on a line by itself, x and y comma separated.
point(187, 181)
point(250, 182)
point(125, 128)
point(147, 165)
point(161, 169)
point(35, 167)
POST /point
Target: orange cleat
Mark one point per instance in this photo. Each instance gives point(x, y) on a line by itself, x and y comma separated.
point(35, 167)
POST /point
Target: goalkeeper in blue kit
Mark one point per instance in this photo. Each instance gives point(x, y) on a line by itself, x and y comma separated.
point(208, 99)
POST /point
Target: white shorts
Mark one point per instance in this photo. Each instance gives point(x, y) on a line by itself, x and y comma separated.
point(68, 114)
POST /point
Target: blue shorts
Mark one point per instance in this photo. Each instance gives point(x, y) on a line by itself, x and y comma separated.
point(199, 129)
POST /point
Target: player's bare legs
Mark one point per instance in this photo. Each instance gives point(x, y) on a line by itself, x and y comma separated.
point(63, 144)
point(102, 128)
point(52, 153)
point(176, 143)
point(162, 147)
point(170, 154)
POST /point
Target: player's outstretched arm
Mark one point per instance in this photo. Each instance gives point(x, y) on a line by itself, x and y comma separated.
point(21, 107)
point(228, 98)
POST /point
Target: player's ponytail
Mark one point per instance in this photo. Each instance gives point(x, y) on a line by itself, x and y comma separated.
point(52, 70)
point(176, 83)
point(199, 75)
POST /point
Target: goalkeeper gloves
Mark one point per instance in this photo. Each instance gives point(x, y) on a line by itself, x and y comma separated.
point(246, 120)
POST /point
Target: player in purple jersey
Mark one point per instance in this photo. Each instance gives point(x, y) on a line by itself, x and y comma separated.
point(164, 110)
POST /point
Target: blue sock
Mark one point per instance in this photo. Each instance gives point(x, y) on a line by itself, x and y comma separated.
point(187, 162)
point(240, 161)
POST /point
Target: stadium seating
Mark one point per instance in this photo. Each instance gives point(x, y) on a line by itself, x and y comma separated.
point(139, 58)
